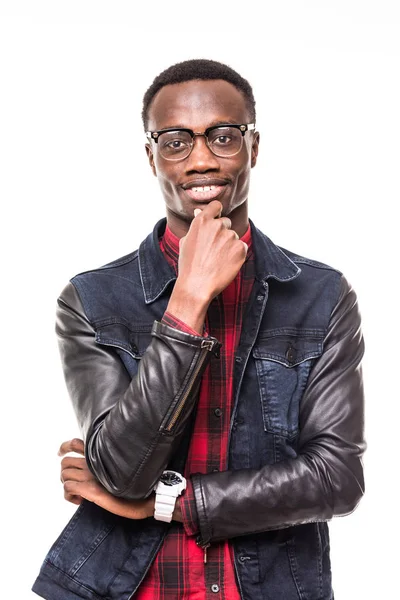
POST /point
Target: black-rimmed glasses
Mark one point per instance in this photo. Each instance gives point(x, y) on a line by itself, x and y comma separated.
point(222, 140)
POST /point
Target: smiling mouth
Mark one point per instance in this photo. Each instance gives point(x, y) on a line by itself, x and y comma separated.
point(204, 193)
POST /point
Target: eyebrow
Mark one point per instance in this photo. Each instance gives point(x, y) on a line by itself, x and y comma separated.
point(212, 124)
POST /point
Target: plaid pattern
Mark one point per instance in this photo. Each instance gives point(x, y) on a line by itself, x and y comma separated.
point(179, 570)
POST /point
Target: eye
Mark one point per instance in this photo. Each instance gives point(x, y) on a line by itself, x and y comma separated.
point(174, 142)
point(221, 140)
point(224, 136)
point(175, 145)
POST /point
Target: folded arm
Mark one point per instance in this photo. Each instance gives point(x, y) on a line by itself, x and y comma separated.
point(326, 478)
point(131, 427)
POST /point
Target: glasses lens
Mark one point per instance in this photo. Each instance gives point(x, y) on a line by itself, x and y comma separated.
point(225, 141)
point(175, 145)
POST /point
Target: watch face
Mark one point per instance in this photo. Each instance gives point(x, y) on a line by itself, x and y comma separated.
point(170, 478)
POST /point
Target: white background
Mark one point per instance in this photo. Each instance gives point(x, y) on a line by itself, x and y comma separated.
point(76, 192)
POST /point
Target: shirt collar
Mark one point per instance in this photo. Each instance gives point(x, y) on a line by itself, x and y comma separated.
point(156, 273)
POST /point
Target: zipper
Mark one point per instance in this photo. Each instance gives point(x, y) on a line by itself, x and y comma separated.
point(207, 345)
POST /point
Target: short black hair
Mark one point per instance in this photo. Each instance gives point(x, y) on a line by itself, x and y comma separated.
point(199, 68)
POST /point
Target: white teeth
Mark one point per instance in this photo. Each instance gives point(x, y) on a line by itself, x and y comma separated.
point(204, 188)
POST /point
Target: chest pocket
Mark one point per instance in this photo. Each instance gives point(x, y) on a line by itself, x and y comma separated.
point(283, 359)
point(130, 341)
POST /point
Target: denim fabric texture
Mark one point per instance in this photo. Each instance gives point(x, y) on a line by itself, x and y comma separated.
point(101, 556)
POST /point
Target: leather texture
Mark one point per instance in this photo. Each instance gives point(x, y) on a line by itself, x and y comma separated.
point(325, 479)
point(296, 433)
point(125, 422)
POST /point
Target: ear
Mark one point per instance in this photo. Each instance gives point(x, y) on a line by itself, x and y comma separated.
point(150, 156)
point(254, 148)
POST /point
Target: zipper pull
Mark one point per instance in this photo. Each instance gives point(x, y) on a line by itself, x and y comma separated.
point(212, 345)
point(207, 343)
point(205, 553)
point(205, 546)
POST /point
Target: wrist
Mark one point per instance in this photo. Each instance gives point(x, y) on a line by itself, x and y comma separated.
point(150, 506)
point(170, 485)
point(189, 306)
point(177, 514)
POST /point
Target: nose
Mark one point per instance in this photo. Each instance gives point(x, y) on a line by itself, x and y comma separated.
point(201, 158)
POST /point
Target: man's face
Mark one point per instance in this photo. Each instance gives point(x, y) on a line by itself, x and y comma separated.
point(197, 105)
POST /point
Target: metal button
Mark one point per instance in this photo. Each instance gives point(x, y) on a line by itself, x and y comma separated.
point(290, 354)
point(243, 558)
point(215, 588)
point(260, 298)
point(238, 359)
point(217, 412)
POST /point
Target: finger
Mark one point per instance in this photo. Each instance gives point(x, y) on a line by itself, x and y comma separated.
point(75, 445)
point(72, 490)
point(226, 222)
point(73, 462)
point(213, 210)
point(71, 497)
point(197, 211)
point(90, 490)
point(75, 475)
point(237, 235)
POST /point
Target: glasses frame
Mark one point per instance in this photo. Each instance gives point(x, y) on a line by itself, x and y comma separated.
point(154, 135)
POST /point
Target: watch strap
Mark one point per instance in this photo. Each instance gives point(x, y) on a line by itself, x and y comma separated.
point(164, 507)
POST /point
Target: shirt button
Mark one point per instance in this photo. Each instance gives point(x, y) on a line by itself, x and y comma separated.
point(215, 470)
point(215, 588)
point(217, 412)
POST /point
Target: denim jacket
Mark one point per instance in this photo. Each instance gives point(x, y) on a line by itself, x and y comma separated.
point(296, 434)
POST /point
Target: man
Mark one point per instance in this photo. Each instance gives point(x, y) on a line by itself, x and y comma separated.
point(212, 367)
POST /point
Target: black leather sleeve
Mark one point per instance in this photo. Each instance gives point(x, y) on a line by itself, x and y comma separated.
point(326, 478)
point(131, 428)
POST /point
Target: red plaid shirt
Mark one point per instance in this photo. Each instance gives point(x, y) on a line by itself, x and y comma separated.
point(179, 570)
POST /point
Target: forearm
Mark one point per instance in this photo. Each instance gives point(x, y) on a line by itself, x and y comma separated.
point(326, 478)
point(291, 492)
point(139, 435)
point(131, 427)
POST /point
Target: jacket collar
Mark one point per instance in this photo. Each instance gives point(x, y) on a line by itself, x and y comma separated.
point(271, 261)
point(156, 274)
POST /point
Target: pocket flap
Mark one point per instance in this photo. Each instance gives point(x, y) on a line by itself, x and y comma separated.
point(116, 332)
point(289, 346)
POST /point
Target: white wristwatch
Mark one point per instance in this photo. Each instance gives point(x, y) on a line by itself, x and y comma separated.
point(170, 485)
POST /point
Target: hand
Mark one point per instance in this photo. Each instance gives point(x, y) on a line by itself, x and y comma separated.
point(211, 253)
point(80, 483)
point(210, 257)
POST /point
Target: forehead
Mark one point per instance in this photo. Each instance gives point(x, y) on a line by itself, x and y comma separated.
point(197, 104)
